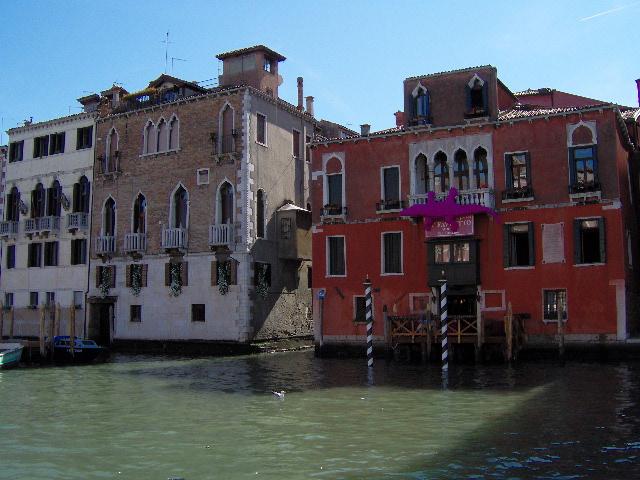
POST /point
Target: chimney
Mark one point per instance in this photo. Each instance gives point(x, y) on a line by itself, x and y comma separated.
point(300, 93)
point(309, 105)
point(364, 129)
point(638, 87)
point(399, 118)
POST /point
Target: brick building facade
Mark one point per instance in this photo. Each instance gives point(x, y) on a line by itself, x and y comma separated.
point(562, 179)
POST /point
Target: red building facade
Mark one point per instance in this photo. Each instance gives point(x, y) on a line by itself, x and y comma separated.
point(562, 180)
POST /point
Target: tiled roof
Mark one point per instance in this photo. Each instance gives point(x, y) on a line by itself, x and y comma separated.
point(534, 91)
point(460, 70)
point(523, 112)
point(255, 48)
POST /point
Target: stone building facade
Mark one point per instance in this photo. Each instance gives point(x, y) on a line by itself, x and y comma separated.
point(196, 192)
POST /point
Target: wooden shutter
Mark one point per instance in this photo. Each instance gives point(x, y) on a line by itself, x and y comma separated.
point(505, 245)
point(214, 273)
point(577, 243)
point(572, 167)
point(532, 246)
point(603, 240)
point(167, 274)
point(113, 276)
point(594, 152)
point(233, 269)
point(145, 274)
point(508, 168)
point(128, 276)
point(528, 164)
point(184, 273)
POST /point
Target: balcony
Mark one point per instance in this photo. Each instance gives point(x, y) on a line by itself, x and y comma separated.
point(77, 221)
point(225, 149)
point(174, 238)
point(584, 187)
point(8, 229)
point(333, 211)
point(480, 196)
point(41, 225)
point(221, 235)
point(523, 193)
point(390, 205)
point(109, 166)
point(135, 243)
point(105, 245)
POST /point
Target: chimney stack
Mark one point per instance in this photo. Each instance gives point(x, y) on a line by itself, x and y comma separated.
point(638, 87)
point(364, 129)
point(300, 93)
point(399, 118)
point(309, 105)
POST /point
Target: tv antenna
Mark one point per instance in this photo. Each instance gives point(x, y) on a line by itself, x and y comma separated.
point(176, 58)
point(166, 51)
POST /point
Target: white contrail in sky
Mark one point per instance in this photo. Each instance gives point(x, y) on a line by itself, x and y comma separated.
point(607, 12)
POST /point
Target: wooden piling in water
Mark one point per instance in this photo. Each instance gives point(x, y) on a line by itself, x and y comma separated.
point(560, 307)
point(11, 322)
point(1, 320)
point(508, 332)
point(42, 332)
point(72, 327)
point(57, 317)
point(52, 326)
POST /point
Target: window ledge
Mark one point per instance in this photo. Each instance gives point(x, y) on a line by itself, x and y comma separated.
point(597, 264)
point(546, 320)
point(165, 152)
point(262, 144)
point(335, 276)
point(392, 274)
point(391, 210)
point(523, 267)
point(584, 195)
point(515, 200)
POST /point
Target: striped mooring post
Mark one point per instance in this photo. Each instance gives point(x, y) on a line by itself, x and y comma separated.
point(369, 318)
point(444, 327)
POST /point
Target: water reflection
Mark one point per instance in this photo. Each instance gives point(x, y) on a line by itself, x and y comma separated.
point(154, 417)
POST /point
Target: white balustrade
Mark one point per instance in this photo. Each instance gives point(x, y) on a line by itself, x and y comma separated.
point(78, 220)
point(135, 242)
point(174, 238)
point(481, 196)
point(221, 234)
point(105, 244)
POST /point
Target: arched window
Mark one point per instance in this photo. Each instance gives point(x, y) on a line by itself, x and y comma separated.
point(13, 205)
point(480, 168)
point(226, 127)
point(260, 214)
point(174, 133)
point(81, 193)
point(38, 201)
point(109, 218)
point(162, 136)
point(225, 203)
point(422, 174)
point(422, 104)
point(461, 170)
point(140, 214)
point(149, 138)
point(441, 173)
point(180, 208)
point(54, 194)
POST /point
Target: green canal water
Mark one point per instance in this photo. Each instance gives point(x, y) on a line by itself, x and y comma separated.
point(146, 417)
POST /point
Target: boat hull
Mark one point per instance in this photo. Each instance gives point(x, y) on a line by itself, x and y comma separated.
point(80, 355)
point(10, 355)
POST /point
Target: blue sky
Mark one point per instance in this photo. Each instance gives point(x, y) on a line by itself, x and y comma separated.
point(353, 55)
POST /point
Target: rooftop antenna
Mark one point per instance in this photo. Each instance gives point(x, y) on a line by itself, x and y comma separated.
point(176, 58)
point(166, 51)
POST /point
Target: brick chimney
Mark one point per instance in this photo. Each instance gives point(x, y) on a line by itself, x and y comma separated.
point(399, 118)
point(309, 105)
point(300, 96)
point(365, 129)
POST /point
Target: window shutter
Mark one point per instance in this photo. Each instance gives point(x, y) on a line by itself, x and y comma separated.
point(532, 245)
point(78, 138)
point(508, 163)
point(505, 245)
point(528, 164)
point(595, 163)
point(233, 267)
point(144, 274)
point(128, 277)
point(184, 273)
point(113, 276)
point(214, 273)
point(603, 240)
point(577, 244)
point(467, 90)
point(167, 279)
point(76, 197)
point(572, 167)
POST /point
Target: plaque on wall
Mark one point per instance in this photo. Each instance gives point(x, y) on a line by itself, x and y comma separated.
point(553, 243)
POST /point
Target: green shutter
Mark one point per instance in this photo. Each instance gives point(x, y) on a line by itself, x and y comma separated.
point(508, 164)
point(603, 240)
point(505, 246)
point(577, 243)
point(532, 246)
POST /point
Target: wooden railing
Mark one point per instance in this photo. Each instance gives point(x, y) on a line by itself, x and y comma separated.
point(460, 327)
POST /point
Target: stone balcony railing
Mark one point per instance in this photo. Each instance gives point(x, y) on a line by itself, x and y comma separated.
point(481, 196)
point(77, 221)
point(42, 224)
point(105, 244)
point(135, 242)
point(221, 235)
point(8, 228)
point(174, 238)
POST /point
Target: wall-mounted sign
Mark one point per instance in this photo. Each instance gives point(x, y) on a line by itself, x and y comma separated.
point(441, 228)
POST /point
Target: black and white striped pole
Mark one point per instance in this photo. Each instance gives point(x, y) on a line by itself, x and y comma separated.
point(369, 318)
point(444, 326)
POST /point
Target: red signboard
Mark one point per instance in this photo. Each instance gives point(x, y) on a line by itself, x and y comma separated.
point(440, 228)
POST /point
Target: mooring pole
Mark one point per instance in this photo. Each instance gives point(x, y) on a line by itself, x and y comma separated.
point(369, 318)
point(560, 307)
point(444, 328)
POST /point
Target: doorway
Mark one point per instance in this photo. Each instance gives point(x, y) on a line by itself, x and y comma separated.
point(103, 323)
